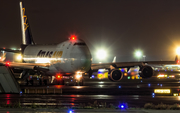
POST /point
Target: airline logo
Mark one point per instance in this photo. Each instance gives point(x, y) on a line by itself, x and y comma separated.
point(50, 54)
point(27, 37)
point(26, 25)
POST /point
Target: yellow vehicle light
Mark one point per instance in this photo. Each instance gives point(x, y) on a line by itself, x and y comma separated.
point(100, 76)
point(160, 76)
point(162, 91)
point(132, 77)
point(125, 74)
point(137, 77)
point(175, 94)
point(106, 75)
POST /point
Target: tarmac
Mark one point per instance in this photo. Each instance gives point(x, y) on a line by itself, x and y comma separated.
point(26, 110)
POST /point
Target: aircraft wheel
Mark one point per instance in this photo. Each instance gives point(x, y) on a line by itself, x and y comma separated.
point(58, 82)
point(27, 82)
point(78, 83)
point(81, 83)
point(62, 82)
point(45, 82)
point(75, 83)
point(40, 82)
point(32, 82)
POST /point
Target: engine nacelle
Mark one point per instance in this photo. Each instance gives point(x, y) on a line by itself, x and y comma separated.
point(115, 75)
point(146, 71)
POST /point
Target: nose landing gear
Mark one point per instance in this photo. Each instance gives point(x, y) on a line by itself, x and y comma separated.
point(78, 79)
point(78, 82)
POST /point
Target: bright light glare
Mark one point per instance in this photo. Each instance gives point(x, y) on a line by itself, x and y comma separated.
point(70, 111)
point(138, 53)
point(7, 63)
point(122, 106)
point(178, 50)
point(160, 76)
point(19, 57)
point(42, 60)
point(78, 87)
point(13, 48)
point(73, 37)
point(101, 54)
point(78, 75)
point(162, 91)
point(175, 94)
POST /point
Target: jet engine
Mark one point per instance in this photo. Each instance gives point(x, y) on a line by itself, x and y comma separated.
point(146, 71)
point(115, 75)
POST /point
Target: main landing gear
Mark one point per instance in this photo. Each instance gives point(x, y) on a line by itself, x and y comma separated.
point(78, 82)
point(60, 82)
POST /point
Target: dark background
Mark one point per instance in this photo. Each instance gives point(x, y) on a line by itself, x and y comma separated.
point(119, 26)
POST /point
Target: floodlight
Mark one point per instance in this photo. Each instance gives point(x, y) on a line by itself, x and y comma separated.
point(178, 50)
point(138, 54)
point(101, 54)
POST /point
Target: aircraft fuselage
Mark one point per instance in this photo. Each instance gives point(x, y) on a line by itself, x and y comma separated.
point(66, 57)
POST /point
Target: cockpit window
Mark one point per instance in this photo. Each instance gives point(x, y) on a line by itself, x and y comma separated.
point(80, 44)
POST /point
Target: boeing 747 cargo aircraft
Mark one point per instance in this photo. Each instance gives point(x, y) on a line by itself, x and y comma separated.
point(71, 57)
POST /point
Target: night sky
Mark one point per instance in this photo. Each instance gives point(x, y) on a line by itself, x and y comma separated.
point(119, 26)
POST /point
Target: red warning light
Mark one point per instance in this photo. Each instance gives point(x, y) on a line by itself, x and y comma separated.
point(73, 37)
point(178, 62)
point(7, 64)
point(58, 76)
point(7, 95)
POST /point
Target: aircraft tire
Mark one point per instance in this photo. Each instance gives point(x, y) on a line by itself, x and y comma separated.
point(32, 82)
point(45, 82)
point(27, 82)
point(40, 82)
point(81, 83)
point(62, 82)
point(75, 84)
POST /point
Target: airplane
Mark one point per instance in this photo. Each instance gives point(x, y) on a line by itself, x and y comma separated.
point(71, 57)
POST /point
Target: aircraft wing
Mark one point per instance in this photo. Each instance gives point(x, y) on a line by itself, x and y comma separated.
point(26, 65)
point(3, 52)
point(145, 71)
point(132, 64)
point(10, 50)
point(20, 64)
point(129, 64)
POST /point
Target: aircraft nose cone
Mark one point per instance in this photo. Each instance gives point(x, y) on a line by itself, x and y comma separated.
point(85, 61)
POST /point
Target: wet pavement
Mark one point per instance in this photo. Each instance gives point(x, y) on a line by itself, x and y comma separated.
point(84, 111)
point(85, 100)
point(136, 93)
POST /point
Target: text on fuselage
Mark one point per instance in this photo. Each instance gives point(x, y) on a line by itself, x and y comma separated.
point(50, 54)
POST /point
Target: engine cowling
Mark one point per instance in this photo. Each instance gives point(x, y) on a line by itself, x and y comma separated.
point(146, 71)
point(115, 75)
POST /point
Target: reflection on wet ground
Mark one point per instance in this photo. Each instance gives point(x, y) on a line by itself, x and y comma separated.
point(84, 111)
point(134, 92)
